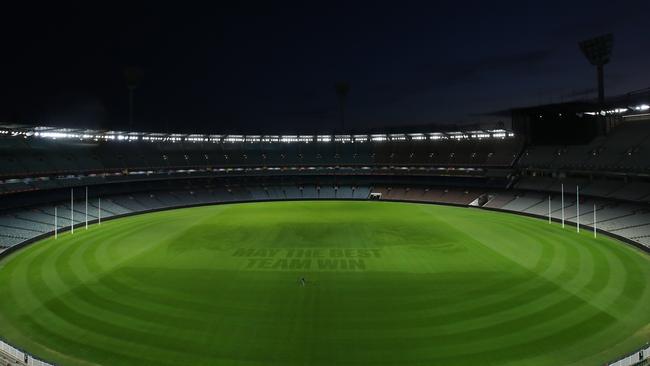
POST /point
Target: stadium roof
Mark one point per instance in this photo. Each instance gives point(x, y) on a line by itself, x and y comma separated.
point(633, 103)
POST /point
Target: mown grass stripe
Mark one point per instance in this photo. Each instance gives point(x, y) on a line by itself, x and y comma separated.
point(449, 286)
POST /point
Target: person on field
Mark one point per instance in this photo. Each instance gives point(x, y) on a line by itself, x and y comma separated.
point(303, 282)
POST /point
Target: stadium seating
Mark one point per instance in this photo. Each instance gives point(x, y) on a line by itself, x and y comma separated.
point(22, 157)
point(624, 150)
point(627, 219)
point(19, 225)
point(36, 175)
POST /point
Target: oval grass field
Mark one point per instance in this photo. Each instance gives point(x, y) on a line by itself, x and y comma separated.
point(386, 284)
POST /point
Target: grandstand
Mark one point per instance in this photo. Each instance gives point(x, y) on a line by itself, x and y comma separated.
point(624, 150)
point(133, 171)
point(137, 172)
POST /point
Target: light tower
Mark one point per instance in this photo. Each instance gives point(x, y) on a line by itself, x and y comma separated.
point(342, 88)
point(133, 76)
point(598, 51)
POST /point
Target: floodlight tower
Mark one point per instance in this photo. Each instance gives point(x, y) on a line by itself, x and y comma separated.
point(598, 51)
point(342, 88)
point(133, 75)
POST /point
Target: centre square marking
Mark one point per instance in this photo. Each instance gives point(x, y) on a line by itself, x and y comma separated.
point(291, 259)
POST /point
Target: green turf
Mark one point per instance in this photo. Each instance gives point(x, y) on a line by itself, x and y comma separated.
point(388, 284)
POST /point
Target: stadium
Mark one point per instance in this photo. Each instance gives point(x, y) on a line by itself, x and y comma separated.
point(518, 236)
point(455, 247)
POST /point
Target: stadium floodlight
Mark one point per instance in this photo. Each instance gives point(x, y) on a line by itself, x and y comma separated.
point(123, 136)
point(342, 138)
point(360, 138)
point(305, 138)
point(342, 89)
point(288, 138)
point(480, 135)
point(598, 51)
point(271, 139)
point(234, 138)
point(417, 136)
point(378, 137)
point(133, 76)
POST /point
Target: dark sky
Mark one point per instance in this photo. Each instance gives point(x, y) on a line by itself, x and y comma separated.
point(272, 67)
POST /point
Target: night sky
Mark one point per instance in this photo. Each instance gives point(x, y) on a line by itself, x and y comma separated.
point(272, 67)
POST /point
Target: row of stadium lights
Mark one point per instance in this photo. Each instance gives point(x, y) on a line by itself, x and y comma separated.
point(111, 136)
point(153, 137)
point(638, 108)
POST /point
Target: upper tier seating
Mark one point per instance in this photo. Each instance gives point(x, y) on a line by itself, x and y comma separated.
point(636, 191)
point(625, 149)
point(42, 157)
